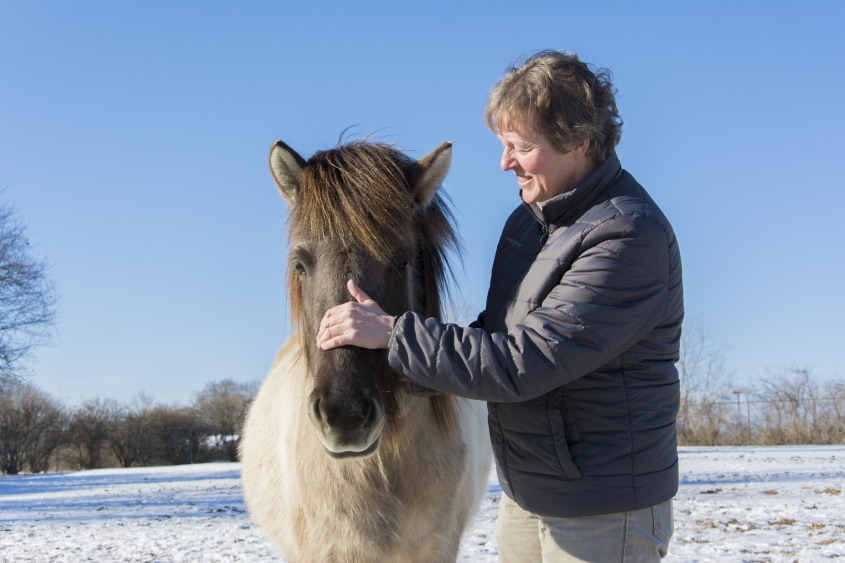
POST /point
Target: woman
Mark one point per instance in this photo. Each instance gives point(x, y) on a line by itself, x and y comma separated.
point(576, 348)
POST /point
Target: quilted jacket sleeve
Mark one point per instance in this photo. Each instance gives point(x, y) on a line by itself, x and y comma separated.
point(417, 390)
point(614, 294)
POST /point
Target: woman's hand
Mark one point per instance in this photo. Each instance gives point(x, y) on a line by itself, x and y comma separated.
point(361, 324)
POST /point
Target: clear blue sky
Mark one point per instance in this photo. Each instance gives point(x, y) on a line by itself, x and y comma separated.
point(134, 138)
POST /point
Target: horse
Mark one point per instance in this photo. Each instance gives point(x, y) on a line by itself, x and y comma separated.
point(340, 463)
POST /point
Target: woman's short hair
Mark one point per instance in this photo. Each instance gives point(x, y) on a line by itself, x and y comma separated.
point(555, 94)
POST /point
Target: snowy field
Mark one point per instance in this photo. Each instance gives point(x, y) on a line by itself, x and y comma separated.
point(735, 504)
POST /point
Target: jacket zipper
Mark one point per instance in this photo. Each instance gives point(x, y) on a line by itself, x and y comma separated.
point(545, 227)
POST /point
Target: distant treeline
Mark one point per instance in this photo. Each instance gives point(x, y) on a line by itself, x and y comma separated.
point(790, 407)
point(37, 433)
point(780, 407)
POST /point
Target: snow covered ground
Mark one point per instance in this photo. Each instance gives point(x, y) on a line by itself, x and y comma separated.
point(735, 504)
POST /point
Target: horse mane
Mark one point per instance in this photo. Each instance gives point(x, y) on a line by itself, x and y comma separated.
point(359, 195)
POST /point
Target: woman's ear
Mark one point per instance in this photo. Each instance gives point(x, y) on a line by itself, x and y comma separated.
point(583, 147)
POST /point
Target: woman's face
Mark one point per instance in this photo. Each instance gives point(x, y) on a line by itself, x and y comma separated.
point(541, 170)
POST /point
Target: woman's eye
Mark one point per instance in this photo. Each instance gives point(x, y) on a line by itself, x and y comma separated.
point(403, 266)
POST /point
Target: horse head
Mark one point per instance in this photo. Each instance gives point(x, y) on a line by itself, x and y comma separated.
point(362, 211)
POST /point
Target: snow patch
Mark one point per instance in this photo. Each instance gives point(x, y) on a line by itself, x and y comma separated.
point(738, 504)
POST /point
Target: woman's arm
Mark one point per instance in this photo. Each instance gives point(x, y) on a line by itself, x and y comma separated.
point(613, 295)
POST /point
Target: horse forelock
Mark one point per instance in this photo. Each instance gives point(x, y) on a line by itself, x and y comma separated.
point(358, 196)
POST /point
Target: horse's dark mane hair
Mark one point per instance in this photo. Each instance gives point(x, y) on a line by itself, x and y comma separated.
point(359, 195)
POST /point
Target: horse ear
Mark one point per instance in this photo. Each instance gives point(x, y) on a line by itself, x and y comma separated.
point(429, 172)
point(286, 166)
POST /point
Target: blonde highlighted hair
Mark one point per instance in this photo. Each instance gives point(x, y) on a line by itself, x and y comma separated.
point(554, 94)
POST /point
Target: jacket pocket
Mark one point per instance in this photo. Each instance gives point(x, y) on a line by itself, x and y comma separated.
point(559, 437)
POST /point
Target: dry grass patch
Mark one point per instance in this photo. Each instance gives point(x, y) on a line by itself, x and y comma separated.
point(738, 527)
point(817, 526)
point(771, 492)
point(783, 522)
point(827, 541)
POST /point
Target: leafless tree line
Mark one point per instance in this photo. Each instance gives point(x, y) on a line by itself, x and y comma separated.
point(37, 433)
point(790, 406)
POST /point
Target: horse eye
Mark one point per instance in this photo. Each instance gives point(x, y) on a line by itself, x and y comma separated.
point(300, 269)
point(403, 266)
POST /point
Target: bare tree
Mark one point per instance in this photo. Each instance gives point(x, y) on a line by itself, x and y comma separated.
point(221, 407)
point(800, 409)
point(27, 299)
point(127, 437)
point(132, 438)
point(178, 435)
point(703, 375)
point(30, 427)
point(90, 428)
point(41, 451)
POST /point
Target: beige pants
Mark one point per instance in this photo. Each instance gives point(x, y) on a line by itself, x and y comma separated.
point(623, 537)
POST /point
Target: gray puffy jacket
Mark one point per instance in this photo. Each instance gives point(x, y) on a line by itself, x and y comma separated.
point(575, 352)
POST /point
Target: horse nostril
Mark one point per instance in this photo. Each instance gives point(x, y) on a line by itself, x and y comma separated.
point(316, 413)
point(372, 415)
point(368, 415)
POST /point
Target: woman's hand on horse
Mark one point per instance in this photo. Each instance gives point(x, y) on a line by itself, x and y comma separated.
point(361, 324)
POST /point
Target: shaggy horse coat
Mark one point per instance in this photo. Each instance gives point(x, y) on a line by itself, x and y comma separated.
point(340, 464)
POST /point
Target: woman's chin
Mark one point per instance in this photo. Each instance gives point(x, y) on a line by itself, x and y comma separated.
point(530, 197)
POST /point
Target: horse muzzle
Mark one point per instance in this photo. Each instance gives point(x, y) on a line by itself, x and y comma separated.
point(347, 430)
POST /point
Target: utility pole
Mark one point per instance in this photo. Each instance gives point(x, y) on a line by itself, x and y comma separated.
point(748, 412)
point(737, 392)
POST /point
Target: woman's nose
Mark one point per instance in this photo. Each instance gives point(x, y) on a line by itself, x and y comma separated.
point(508, 162)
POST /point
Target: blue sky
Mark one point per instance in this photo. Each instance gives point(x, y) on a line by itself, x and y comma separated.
point(134, 138)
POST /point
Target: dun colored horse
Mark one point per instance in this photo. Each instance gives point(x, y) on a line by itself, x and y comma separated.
point(340, 463)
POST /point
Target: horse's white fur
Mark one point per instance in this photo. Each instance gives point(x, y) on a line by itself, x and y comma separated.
point(408, 504)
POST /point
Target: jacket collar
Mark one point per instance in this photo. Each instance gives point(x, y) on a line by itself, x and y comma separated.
point(579, 196)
